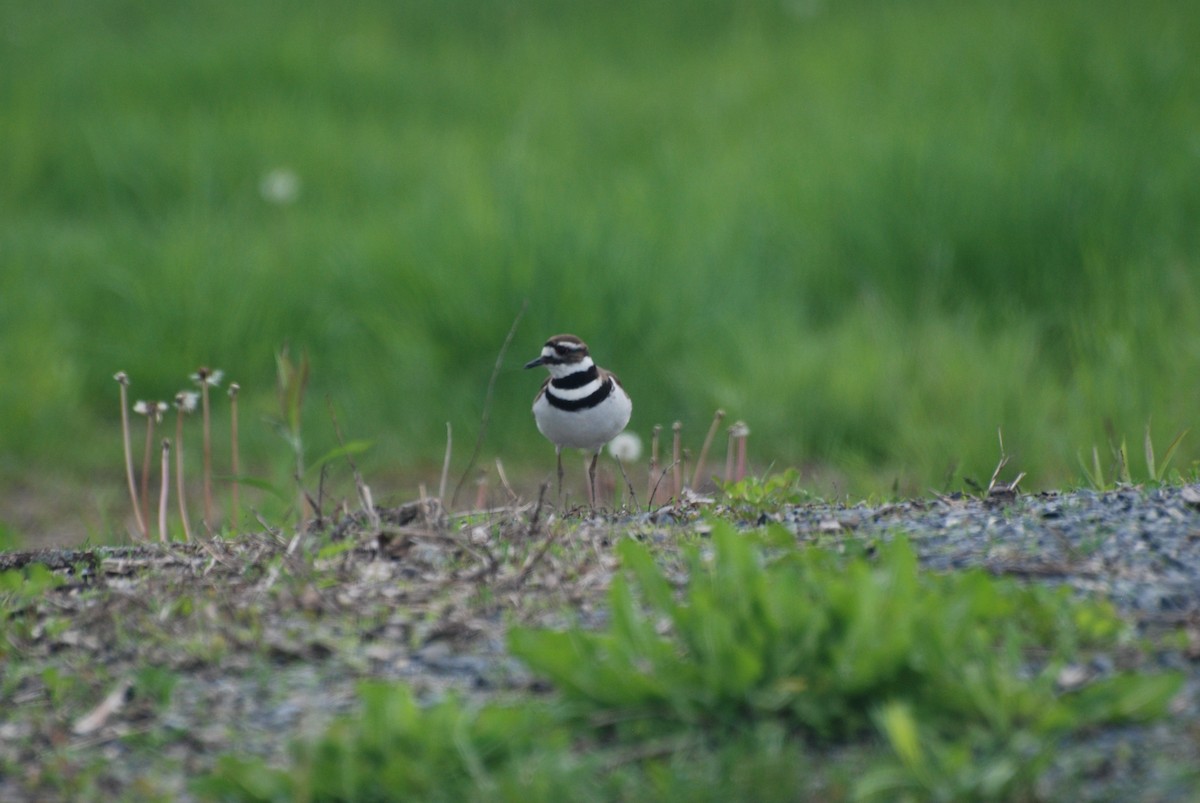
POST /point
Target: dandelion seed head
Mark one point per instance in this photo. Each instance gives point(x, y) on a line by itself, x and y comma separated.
point(280, 186)
point(207, 376)
point(626, 447)
point(121, 377)
point(155, 409)
point(186, 400)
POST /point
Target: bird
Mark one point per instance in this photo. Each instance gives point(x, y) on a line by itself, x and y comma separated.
point(580, 405)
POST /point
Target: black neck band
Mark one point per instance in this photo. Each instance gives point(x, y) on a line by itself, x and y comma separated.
point(576, 380)
point(587, 402)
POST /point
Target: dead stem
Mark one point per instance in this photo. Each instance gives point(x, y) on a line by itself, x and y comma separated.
point(446, 464)
point(651, 482)
point(537, 511)
point(487, 401)
point(364, 491)
point(537, 556)
point(677, 460)
point(504, 481)
point(662, 476)
point(628, 484)
point(697, 475)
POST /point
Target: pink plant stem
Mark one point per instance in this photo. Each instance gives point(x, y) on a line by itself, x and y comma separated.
point(163, 495)
point(183, 516)
point(209, 521)
point(235, 460)
point(741, 458)
point(133, 495)
point(146, 467)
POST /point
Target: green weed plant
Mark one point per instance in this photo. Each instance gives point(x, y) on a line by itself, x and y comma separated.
point(819, 642)
point(396, 750)
point(766, 494)
point(955, 676)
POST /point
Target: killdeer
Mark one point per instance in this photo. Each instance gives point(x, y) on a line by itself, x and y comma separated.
point(581, 405)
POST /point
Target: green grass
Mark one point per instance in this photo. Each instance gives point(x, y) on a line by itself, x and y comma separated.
point(875, 231)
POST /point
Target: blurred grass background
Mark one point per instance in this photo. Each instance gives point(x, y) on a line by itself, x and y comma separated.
point(876, 231)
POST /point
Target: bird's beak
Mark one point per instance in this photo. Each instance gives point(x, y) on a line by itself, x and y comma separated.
point(535, 363)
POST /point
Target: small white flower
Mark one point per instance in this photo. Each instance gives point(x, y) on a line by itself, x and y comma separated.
point(280, 186)
point(234, 387)
point(121, 377)
point(186, 401)
point(626, 447)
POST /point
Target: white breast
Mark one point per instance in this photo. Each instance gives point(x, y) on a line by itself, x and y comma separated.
point(584, 429)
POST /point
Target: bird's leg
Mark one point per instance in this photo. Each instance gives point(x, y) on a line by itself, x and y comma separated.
point(592, 478)
point(558, 452)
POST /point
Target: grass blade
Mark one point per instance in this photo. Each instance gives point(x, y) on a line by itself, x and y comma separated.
point(1171, 450)
point(1150, 455)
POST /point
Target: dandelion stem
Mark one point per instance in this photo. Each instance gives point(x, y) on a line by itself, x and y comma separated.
point(146, 467)
point(730, 448)
point(162, 497)
point(235, 460)
point(743, 433)
point(183, 516)
point(123, 380)
point(209, 521)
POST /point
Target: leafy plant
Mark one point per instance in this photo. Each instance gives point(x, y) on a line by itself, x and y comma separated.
point(394, 750)
point(156, 684)
point(764, 494)
point(822, 644)
point(28, 581)
point(1157, 471)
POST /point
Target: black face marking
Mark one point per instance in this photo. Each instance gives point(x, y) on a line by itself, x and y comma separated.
point(568, 352)
point(577, 379)
point(587, 402)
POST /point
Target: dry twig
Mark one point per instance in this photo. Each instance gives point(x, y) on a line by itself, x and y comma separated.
point(487, 401)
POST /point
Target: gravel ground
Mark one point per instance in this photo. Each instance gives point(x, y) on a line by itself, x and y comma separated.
point(270, 646)
point(1140, 549)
